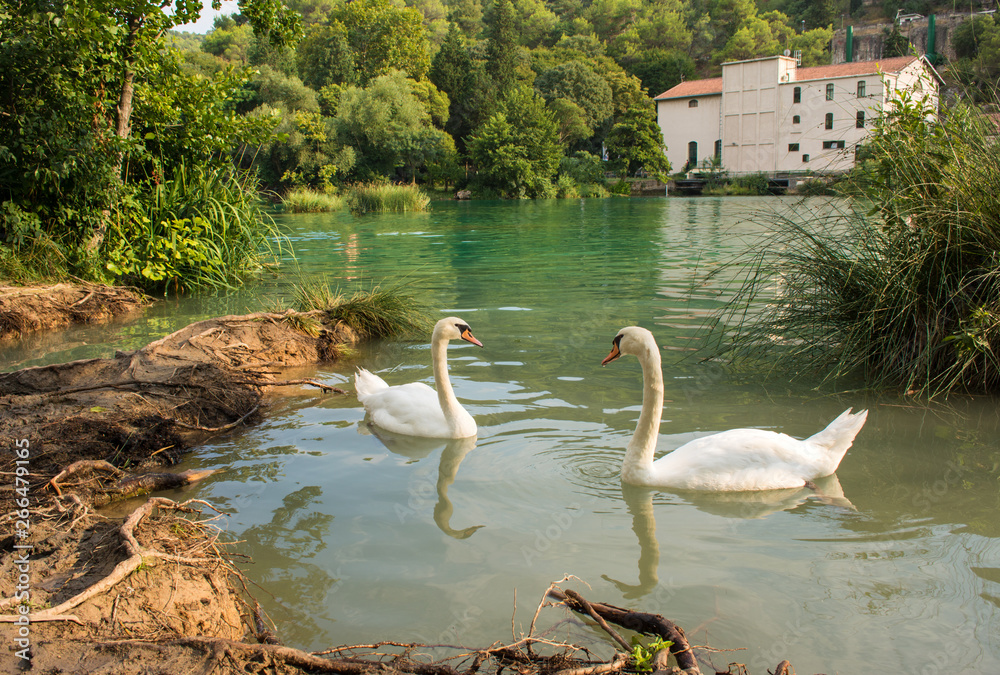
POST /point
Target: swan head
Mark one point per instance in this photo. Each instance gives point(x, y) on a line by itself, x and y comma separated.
point(454, 328)
point(632, 340)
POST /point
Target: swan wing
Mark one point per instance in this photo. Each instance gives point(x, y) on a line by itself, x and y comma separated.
point(738, 459)
point(411, 409)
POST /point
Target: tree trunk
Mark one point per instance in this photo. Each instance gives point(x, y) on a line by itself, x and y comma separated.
point(123, 122)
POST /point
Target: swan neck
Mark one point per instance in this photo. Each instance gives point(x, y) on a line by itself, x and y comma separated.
point(638, 462)
point(442, 383)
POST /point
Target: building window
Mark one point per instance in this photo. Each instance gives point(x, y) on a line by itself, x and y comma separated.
point(693, 103)
point(805, 158)
point(833, 145)
point(861, 89)
point(718, 150)
point(829, 120)
point(692, 154)
point(796, 119)
point(797, 95)
point(793, 147)
point(829, 92)
point(861, 120)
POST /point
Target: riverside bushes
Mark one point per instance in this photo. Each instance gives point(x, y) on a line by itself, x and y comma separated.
point(901, 288)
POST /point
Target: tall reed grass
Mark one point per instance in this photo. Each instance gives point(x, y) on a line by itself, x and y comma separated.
point(902, 287)
point(310, 201)
point(374, 313)
point(386, 197)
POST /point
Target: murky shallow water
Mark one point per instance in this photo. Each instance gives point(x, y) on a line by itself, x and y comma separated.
point(356, 538)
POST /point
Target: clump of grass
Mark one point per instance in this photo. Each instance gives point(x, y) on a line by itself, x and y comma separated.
point(904, 287)
point(385, 198)
point(304, 323)
point(375, 313)
point(304, 200)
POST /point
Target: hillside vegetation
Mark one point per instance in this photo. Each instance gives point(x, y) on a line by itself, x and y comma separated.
point(133, 152)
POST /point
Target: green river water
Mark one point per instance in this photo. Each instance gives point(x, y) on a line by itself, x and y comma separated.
point(356, 540)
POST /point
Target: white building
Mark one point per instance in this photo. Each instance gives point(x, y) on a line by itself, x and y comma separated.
point(769, 115)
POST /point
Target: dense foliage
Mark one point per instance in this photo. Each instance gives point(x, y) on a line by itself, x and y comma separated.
point(105, 109)
point(98, 116)
point(426, 91)
point(904, 293)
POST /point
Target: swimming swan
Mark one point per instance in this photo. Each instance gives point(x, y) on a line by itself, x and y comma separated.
point(415, 409)
point(738, 459)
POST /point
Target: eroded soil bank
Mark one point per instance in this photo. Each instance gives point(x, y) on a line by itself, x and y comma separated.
point(25, 309)
point(106, 592)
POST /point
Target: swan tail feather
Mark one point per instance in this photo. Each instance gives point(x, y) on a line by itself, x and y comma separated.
point(838, 436)
point(366, 384)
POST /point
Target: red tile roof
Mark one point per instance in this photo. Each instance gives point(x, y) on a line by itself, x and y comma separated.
point(892, 65)
point(712, 85)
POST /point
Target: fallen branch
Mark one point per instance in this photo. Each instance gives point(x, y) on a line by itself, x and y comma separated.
point(589, 609)
point(313, 383)
point(641, 622)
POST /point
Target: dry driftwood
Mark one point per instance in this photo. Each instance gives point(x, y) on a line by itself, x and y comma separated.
point(641, 622)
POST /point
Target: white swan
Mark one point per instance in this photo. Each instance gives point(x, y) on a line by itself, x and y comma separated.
point(738, 459)
point(415, 409)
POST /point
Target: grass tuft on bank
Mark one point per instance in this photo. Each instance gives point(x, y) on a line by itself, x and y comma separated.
point(374, 313)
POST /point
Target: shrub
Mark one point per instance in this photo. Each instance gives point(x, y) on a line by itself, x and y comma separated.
point(204, 227)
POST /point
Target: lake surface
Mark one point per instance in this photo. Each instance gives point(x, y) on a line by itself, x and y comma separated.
point(356, 539)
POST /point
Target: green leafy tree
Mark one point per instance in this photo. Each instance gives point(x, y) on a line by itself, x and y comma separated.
point(383, 37)
point(389, 128)
point(324, 57)
point(814, 45)
point(895, 43)
point(465, 82)
point(636, 141)
point(572, 121)
point(229, 40)
point(575, 81)
point(533, 22)
point(435, 15)
point(611, 18)
point(517, 151)
point(967, 36)
point(467, 15)
point(660, 69)
point(277, 89)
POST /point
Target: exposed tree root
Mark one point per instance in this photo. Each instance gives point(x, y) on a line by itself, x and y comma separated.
point(126, 486)
point(138, 555)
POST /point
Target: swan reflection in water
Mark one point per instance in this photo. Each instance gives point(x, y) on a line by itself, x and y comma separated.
point(745, 505)
point(453, 451)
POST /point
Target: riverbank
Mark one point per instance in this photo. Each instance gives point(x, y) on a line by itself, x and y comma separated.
point(78, 436)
